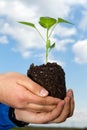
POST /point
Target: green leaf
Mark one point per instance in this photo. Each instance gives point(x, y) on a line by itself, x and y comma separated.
point(47, 22)
point(52, 46)
point(60, 20)
point(27, 23)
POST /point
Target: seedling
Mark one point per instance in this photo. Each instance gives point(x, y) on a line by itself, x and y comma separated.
point(49, 24)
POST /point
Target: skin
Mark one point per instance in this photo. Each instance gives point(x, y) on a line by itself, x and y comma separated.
point(29, 98)
point(60, 113)
point(68, 108)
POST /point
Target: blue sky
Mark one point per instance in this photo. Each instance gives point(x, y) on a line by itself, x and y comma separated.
point(20, 46)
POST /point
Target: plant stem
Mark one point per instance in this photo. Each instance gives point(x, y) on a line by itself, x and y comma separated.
point(47, 46)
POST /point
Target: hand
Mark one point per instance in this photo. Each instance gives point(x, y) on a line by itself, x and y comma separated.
point(60, 113)
point(18, 91)
point(41, 117)
point(68, 108)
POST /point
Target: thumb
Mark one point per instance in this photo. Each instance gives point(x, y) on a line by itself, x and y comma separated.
point(33, 87)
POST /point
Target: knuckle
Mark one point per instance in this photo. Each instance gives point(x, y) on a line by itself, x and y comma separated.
point(43, 102)
point(20, 101)
point(62, 120)
point(66, 115)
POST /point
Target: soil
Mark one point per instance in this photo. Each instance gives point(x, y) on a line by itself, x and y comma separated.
point(51, 76)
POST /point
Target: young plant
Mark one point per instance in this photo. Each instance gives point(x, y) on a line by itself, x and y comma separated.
point(49, 24)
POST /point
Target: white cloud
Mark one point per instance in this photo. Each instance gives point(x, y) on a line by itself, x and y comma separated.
point(3, 40)
point(74, 2)
point(61, 45)
point(31, 10)
point(80, 50)
point(16, 10)
point(25, 39)
point(83, 22)
point(80, 116)
point(55, 8)
point(64, 31)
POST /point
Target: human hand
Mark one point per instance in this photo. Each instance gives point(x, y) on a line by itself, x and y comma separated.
point(68, 108)
point(60, 113)
point(18, 91)
point(39, 117)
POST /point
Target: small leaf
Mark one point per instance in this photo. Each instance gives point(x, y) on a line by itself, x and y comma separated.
point(60, 20)
point(27, 23)
point(52, 46)
point(47, 22)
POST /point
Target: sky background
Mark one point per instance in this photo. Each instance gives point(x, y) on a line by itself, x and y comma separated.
point(21, 46)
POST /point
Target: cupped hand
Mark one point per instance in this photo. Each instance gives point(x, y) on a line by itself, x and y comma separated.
point(60, 113)
point(39, 117)
point(68, 108)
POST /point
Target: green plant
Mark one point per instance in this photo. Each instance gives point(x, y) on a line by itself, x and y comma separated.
point(49, 24)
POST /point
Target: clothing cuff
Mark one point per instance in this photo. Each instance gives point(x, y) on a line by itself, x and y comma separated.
point(14, 120)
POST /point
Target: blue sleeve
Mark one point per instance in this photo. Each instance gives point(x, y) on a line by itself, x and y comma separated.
point(5, 123)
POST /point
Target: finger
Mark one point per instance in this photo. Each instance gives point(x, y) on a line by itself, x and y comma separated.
point(72, 107)
point(40, 108)
point(69, 93)
point(31, 98)
point(64, 114)
point(72, 103)
point(33, 87)
point(39, 118)
point(47, 117)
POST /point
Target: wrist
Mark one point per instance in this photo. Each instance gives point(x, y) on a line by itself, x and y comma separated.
point(12, 117)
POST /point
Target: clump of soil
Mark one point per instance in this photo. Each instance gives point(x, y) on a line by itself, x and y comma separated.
point(51, 76)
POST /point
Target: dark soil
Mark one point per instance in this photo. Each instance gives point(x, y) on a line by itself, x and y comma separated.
point(51, 76)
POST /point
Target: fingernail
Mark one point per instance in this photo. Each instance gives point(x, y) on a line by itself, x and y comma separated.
point(43, 92)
